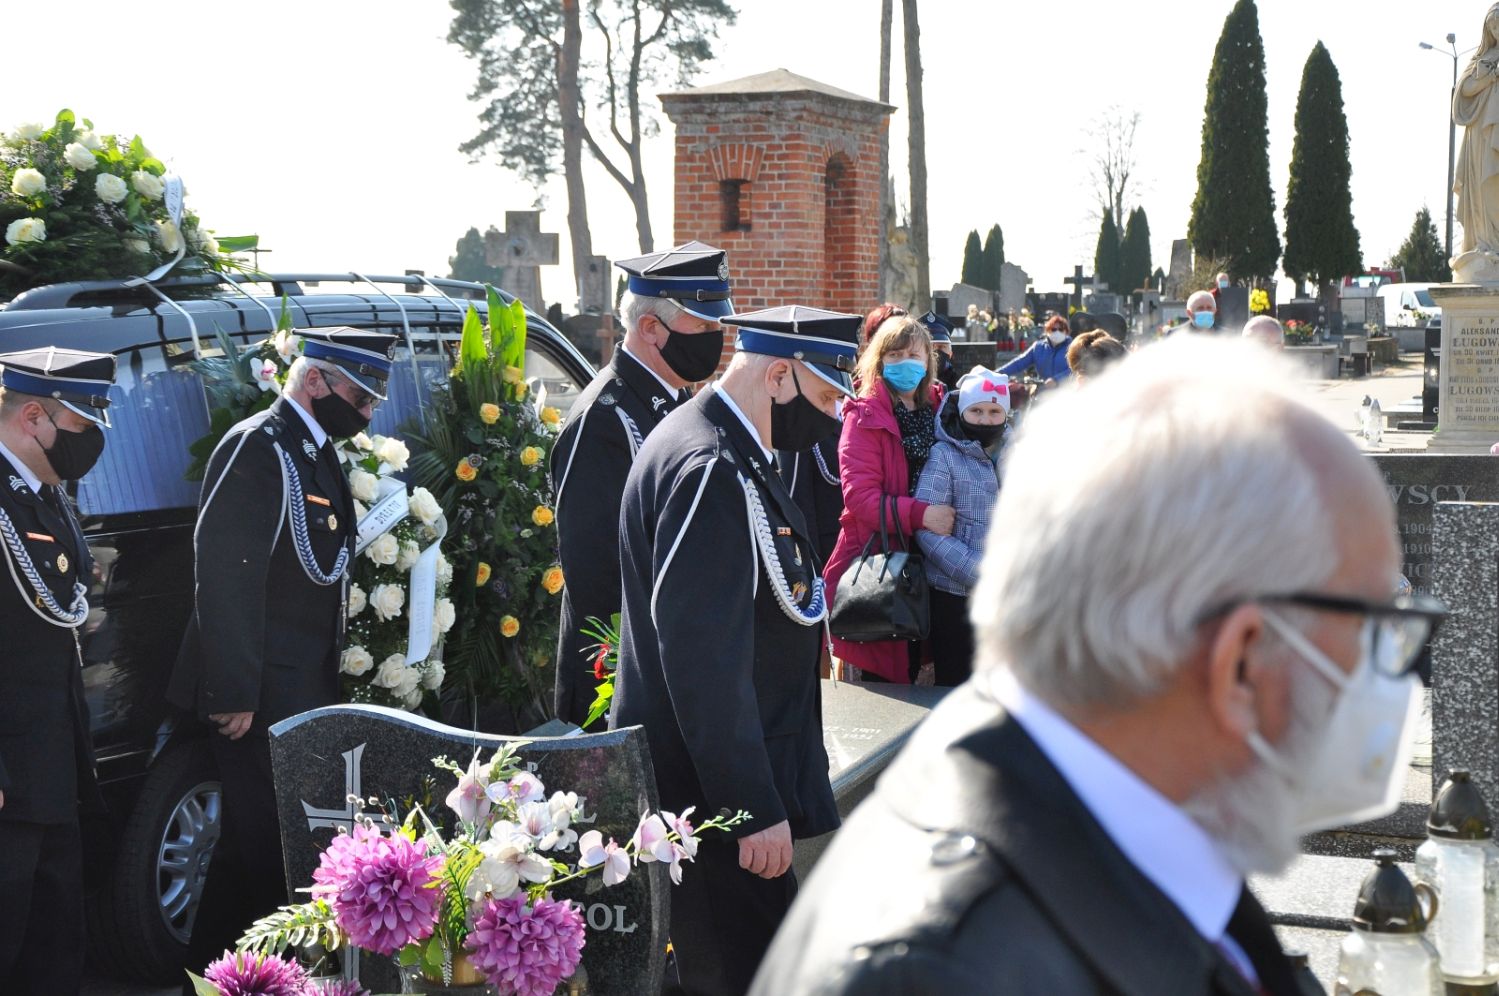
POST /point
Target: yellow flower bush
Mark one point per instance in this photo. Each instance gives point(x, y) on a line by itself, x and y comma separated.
point(489, 414)
point(509, 626)
point(552, 580)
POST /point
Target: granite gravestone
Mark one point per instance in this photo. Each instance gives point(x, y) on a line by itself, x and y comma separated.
point(1465, 652)
point(1013, 282)
point(323, 757)
point(1416, 483)
point(595, 294)
point(1469, 387)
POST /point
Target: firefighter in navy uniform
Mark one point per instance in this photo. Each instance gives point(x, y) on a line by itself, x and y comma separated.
point(272, 548)
point(671, 309)
point(53, 405)
point(722, 629)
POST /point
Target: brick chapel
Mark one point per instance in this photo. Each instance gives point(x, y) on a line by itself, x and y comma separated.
point(784, 173)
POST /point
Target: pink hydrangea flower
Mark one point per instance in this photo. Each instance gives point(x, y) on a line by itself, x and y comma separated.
point(527, 951)
point(381, 888)
point(245, 974)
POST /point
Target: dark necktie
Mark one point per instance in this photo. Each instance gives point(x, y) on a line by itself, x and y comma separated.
point(1251, 930)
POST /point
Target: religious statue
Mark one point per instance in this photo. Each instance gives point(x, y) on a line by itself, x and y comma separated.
point(1475, 106)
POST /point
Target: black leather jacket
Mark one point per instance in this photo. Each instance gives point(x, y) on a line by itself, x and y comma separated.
point(974, 868)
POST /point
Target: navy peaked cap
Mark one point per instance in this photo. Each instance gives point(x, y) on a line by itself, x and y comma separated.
point(827, 341)
point(364, 357)
point(79, 380)
point(694, 276)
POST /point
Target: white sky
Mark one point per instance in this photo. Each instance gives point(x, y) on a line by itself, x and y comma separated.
point(334, 134)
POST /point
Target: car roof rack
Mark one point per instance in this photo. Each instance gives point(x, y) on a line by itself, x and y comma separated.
point(291, 284)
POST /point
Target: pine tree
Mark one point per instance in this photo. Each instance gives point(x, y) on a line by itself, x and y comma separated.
point(1135, 253)
point(1233, 214)
point(994, 258)
point(973, 261)
point(468, 261)
point(1421, 253)
point(1106, 258)
point(1321, 242)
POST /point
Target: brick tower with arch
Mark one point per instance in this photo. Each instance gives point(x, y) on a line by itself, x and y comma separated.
point(783, 172)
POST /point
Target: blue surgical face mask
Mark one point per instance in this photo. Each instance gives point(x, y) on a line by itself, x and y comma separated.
point(905, 375)
point(1203, 319)
point(1223, 284)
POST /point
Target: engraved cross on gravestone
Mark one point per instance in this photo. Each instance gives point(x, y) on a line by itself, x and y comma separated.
point(521, 251)
point(324, 757)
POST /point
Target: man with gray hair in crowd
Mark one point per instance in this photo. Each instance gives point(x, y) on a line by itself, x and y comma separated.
point(671, 311)
point(1266, 331)
point(1174, 682)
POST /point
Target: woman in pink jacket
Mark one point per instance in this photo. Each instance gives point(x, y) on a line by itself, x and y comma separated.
point(887, 433)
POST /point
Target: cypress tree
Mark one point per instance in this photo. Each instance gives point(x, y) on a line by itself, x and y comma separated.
point(1321, 242)
point(1136, 252)
point(1233, 214)
point(1106, 258)
point(994, 258)
point(973, 260)
point(1421, 253)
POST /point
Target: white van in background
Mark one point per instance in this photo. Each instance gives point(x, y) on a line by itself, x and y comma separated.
point(1409, 306)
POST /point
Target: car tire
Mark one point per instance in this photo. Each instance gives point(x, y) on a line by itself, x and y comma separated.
point(140, 919)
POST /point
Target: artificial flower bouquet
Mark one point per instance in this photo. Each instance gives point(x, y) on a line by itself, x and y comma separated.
point(476, 898)
point(1299, 333)
point(605, 665)
point(1259, 301)
point(76, 204)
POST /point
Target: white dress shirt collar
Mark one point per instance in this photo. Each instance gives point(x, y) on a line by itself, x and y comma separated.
point(1160, 840)
point(671, 392)
point(754, 433)
point(319, 434)
point(32, 481)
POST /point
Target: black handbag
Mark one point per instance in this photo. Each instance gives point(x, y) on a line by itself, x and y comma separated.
point(883, 594)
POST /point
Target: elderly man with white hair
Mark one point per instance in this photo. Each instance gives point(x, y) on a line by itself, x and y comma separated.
point(1202, 314)
point(671, 310)
point(1174, 682)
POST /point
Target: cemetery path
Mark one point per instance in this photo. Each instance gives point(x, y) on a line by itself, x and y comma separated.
point(1341, 399)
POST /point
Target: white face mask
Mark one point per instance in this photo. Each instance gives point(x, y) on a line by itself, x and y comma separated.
point(1356, 770)
point(1056, 337)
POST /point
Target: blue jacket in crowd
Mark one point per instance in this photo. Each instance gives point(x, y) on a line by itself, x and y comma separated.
point(961, 474)
point(1050, 361)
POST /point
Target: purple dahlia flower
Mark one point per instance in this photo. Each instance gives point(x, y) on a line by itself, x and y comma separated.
point(246, 974)
point(382, 889)
point(527, 951)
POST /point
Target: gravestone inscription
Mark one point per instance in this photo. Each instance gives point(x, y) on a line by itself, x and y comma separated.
point(1416, 482)
point(324, 758)
point(1469, 377)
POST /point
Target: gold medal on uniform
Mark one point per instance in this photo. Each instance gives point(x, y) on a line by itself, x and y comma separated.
point(798, 592)
point(332, 523)
point(62, 563)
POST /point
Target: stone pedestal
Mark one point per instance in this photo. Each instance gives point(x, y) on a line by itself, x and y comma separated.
point(1468, 413)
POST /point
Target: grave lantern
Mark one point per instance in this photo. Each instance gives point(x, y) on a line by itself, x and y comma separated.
point(1461, 862)
point(1387, 950)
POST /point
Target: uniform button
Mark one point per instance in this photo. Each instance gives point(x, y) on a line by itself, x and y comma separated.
point(953, 848)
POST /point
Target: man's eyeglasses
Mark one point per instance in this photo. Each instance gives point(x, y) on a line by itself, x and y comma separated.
point(361, 396)
point(1399, 629)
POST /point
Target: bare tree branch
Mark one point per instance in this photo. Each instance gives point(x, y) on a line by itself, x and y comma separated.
point(1111, 157)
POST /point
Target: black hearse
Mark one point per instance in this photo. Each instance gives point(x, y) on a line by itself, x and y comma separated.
point(146, 860)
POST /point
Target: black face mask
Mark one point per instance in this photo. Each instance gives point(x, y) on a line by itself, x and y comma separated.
point(73, 454)
point(692, 356)
point(798, 424)
point(984, 435)
point(337, 417)
point(946, 372)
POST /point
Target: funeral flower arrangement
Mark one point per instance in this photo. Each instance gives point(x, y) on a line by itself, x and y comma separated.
point(477, 897)
point(1299, 333)
point(398, 608)
point(1259, 301)
point(484, 456)
point(76, 204)
point(605, 665)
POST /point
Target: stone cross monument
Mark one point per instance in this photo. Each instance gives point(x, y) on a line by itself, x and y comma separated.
point(521, 251)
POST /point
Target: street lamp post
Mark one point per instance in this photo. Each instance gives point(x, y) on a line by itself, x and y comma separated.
point(1451, 133)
